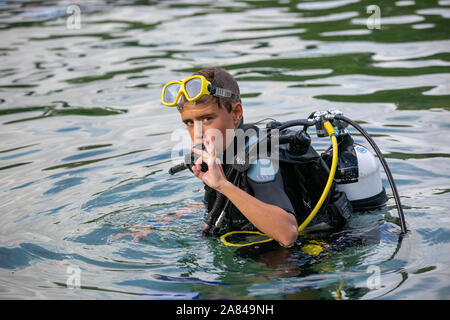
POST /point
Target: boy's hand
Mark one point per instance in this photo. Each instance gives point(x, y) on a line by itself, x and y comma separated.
point(214, 177)
point(190, 208)
point(139, 232)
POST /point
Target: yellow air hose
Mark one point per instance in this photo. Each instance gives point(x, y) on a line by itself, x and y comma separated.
point(332, 134)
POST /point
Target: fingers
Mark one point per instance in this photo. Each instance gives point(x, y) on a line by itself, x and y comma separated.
point(112, 238)
point(199, 160)
point(204, 156)
point(209, 144)
point(210, 149)
point(197, 170)
point(208, 156)
point(142, 234)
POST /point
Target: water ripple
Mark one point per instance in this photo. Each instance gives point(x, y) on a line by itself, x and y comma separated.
point(86, 144)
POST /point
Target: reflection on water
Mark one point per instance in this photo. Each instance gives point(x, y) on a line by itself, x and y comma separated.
point(86, 145)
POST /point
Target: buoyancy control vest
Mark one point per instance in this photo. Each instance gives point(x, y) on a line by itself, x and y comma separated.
point(304, 173)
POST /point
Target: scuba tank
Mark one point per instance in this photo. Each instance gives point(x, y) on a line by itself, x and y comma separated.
point(358, 172)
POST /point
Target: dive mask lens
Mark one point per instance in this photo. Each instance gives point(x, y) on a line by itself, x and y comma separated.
point(171, 92)
point(193, 88)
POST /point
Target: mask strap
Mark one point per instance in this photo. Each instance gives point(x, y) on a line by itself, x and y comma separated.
point(220, 92)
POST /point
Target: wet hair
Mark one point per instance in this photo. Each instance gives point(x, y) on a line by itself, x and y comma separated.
point(222, 79)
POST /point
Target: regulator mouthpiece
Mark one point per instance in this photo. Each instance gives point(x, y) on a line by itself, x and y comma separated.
point(192, 157)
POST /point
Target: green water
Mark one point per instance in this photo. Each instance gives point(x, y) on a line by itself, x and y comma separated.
point(86, 145)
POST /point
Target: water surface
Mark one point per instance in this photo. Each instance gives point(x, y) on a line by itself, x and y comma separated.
point(86, 145)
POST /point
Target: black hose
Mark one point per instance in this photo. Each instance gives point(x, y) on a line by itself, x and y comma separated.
point(217, 222)
point(212, 215)
point(177, 168)
point(385, 167)
point(293, 123)
point(267, 135)
point(215, 211)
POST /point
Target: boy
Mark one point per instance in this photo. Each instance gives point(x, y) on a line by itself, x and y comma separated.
point(214, 106)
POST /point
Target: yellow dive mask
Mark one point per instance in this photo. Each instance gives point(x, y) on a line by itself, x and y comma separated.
point(193, 88)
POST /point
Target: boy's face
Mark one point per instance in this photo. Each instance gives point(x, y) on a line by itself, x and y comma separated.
point(208, 119)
